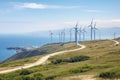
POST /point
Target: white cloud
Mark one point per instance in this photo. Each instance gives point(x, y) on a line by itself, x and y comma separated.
point(41, 6)
point(32, 6)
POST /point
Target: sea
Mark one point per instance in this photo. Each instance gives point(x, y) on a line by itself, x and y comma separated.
point(19, 41)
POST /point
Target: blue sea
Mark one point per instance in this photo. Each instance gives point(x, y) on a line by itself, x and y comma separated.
point(18, 41)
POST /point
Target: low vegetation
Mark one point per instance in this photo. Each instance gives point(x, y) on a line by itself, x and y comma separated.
point(80, 69)
point(71, 60)
point(25, 72)
point(111, 74)
point(20, 62)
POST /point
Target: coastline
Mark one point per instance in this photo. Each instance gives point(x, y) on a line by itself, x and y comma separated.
point(22, 49)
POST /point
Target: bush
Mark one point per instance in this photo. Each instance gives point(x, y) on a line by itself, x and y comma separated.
point(114, 73)
point(78, 58)
point(25, 72)
point(107, 75)
point(38, 76)
point(81, 69)
point(27, 78)
point(50, 77)
point(1, 78)
point(71, 60)
point(57, 61)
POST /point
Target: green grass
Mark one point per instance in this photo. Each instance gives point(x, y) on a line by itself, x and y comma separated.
point(114, 73)
point(104, 58)
point(20, 62)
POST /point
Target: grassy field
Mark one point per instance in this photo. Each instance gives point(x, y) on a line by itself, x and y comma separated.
point(104, 62)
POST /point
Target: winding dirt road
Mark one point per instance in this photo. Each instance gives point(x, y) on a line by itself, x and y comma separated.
point(41, 60)
point(116, 42)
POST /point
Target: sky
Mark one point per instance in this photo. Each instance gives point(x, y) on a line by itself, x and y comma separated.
point(24, 16)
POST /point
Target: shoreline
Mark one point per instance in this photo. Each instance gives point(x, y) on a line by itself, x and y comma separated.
point(22, 49)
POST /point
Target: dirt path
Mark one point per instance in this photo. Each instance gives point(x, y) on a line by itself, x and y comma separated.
point(80, 77)
point(41, 60)
point(116, 42)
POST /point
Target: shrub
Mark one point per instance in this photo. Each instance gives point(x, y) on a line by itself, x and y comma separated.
point(107, 75)
point(78, 58)
point(57, 61)
point(50, 77)
point(1, 78)
point(38, 76)
point(27, 78)
point(81, 69)
point(25, 72)
point(71, 60)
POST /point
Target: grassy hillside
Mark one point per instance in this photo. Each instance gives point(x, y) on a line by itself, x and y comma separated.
point(49, 48)
point(103, 62)
point(25, 58)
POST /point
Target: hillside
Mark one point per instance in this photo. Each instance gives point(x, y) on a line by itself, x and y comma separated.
point(98, 59)
point(45, 49)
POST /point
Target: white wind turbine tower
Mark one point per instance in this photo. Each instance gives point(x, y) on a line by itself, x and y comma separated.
point(63, 35)
point(91, 26)
point(114, 35)
point(94, 29)
point(76, 32)
point(59, 37)
point(84, 31)
point(70, 34)
point(80, 33)
point(51, 35)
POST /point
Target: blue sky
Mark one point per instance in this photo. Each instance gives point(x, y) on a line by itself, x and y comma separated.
point(22, 16)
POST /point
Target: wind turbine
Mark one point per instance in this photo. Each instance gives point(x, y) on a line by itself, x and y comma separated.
point(91, 26)
point(76, 32)
point(94, 29)
point(59, 37)
point(51, 34)
point(80, 32)
point(84, 31)
point(114, 35)
point(70, 35)
point(63, 35)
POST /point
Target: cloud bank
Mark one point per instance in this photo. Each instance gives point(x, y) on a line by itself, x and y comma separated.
point(42, 6)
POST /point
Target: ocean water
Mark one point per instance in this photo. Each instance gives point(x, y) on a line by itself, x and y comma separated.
point(19, 40)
